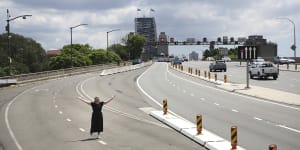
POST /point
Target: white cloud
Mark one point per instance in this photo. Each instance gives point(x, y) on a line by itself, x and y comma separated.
point(180, 19)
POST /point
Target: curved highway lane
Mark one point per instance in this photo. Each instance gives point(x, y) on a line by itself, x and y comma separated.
point(259, 122)
point(48, 116)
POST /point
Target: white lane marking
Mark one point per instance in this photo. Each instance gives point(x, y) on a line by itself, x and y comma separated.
point(81, 129)
point(68, 119)
point(7, 121)
point(192, 94)
point(55, 106)
point(82, 94)
point(236, 94)
point(256, 118)
point(288, 128)
point(102, 142)
point(234, 110)
point(60, 112)
point(217, 104)
point(202, 99)
point(150, 97)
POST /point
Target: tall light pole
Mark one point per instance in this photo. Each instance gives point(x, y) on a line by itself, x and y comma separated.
point(71, 29)
point(8, 36)
point(293, 47)
point(107, 40)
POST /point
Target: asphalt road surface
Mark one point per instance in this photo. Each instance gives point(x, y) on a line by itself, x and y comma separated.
point(287, 81)
point(47, 116)
point(259, 122)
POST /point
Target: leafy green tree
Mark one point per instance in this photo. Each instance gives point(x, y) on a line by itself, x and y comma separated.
point(121, 50)
point(27, 55)
point(135, 44)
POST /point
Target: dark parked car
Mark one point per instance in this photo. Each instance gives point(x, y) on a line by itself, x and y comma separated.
point(217, 65)
point(136, 61)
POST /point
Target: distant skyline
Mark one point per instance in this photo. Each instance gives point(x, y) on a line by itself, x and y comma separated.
point(51, 20)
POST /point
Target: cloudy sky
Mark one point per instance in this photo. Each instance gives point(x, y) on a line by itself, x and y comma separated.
point(52, 19)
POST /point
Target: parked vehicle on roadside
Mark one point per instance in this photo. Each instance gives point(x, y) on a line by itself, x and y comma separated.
point(218, 65)
point(290, 60)
point(280, 60)
point(257, 61)
point(136, 61)
point(210, 59)
point(226, 58)
point(177, 61)
point(264, 70)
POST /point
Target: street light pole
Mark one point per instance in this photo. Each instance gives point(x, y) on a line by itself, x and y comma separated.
point(293, 47)
point(71, 30)
point(107, 40)
point(8, 36)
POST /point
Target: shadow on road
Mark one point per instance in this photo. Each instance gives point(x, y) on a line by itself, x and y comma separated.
point(85, 140)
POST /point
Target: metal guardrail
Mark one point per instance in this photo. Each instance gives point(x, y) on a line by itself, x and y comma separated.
point(24, 78)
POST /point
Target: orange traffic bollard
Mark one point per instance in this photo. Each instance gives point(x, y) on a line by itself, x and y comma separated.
point(165, 106)
point(205, 74)
point(233, 137)
point(209, 75)
point(225, 78)
point(199, 72)
point(287, 66)
point(295, 66)
point(273, 147)
point(216, 77)
point(199, 124)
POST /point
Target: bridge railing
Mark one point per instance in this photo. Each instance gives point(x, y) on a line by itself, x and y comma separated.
point(23, 78)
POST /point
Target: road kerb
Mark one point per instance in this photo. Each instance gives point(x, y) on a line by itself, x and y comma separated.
point(189, 129)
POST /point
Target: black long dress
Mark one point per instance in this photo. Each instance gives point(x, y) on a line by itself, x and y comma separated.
point(97, 118)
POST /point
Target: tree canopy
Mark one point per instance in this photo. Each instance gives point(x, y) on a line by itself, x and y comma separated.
point(27, 55)
point(81, 55)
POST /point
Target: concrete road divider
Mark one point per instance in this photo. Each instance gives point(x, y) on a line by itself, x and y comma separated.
point(233, 137)
point(165, 106)
point(273, 147)
point(123, 69)
point(199, 124)
point(189, 129)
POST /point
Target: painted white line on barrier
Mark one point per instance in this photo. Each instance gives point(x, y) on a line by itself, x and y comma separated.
point(256, 118)
point(102, 142)
point(81, 129)
point(288, 128)
point(234, 110)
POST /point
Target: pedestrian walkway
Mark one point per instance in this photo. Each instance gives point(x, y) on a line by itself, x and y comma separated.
point(262, 92)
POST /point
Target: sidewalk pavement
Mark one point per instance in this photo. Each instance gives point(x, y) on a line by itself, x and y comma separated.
point(264, 93)
point(254, 91)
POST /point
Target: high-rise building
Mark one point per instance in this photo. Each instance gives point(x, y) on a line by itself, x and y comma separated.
point(162, 48)
point(146, 26)
point(193, 56)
